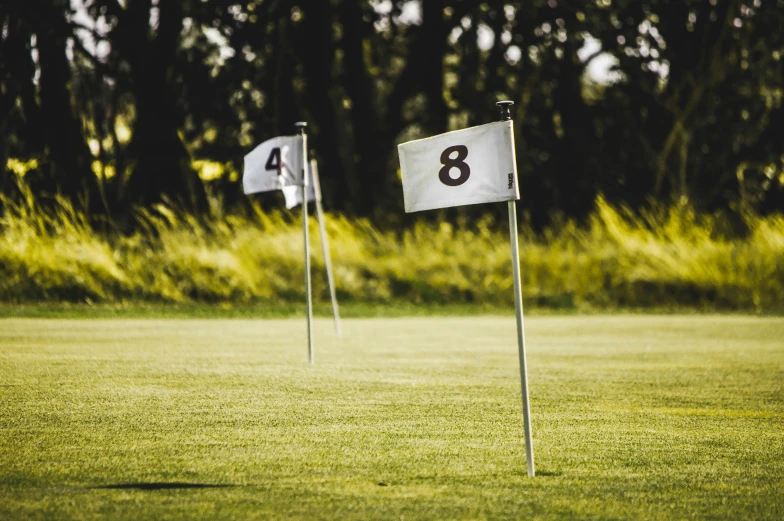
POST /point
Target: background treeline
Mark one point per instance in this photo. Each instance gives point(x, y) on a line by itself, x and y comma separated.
point(650, 139)
point(122, 103)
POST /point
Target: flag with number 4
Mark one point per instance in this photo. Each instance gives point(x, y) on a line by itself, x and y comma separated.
point(470, 166)
point(274, 164)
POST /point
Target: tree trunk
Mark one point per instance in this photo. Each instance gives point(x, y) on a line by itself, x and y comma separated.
point(318, 61)
point(162, 165)
point(431, 43)
point(63, 134)
point(370, 144)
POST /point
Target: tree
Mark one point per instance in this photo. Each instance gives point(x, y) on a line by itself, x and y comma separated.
point(36, 88)
point(692, 109)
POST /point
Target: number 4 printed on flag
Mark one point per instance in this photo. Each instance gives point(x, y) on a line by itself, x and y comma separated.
point(273, 161)
point(274, 164)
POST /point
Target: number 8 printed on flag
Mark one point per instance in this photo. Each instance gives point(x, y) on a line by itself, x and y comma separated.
point(469, 166)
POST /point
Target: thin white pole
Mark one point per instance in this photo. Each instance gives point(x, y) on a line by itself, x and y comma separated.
point(301, 126)
point(325, 246)
point(518, 295)
point(529, 447)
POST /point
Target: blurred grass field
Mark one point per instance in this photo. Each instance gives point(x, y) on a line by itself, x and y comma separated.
point(670, 258)
point(634, 417)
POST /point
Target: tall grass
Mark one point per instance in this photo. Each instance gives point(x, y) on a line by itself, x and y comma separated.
point(665, 257)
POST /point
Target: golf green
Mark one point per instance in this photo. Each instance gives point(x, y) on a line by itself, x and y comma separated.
point(634, 417)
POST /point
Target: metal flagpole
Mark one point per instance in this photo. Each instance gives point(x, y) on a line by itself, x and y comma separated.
point(325, 246)
point(529, 447)
point(301, 125)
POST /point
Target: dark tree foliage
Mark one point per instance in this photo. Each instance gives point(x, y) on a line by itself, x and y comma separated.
point(116, 99)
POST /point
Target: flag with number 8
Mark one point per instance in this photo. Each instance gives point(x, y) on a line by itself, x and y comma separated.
point(470, 166)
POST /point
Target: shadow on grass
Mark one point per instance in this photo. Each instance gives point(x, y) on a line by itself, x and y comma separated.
point(159, 486)
point(548, 473)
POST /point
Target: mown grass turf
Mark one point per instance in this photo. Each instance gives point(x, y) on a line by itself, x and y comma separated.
point(634, 418)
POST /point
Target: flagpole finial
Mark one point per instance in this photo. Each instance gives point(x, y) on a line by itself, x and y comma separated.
point(301, 126)
point(506, 115)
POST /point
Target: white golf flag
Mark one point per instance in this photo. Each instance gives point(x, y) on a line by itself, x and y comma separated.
point(470, 166)
point(293, 194)
point(274, 164)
